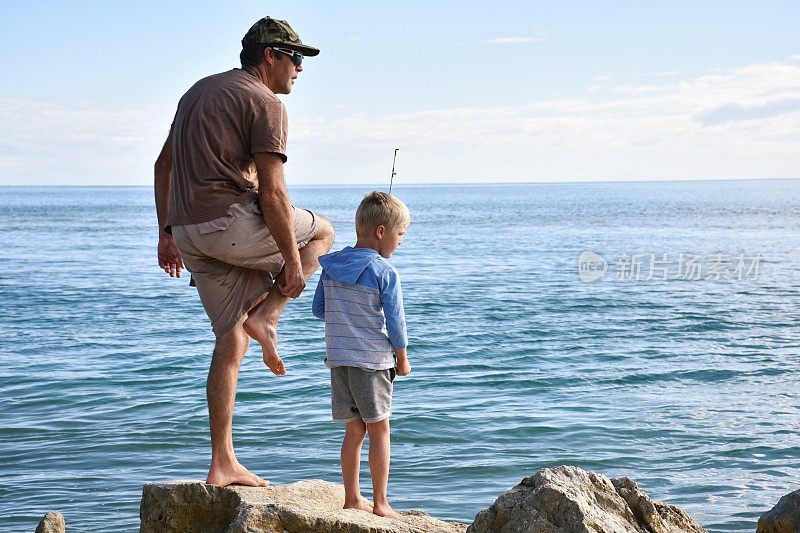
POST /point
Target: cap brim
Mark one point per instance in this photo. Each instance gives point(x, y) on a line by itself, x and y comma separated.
point(307, 51)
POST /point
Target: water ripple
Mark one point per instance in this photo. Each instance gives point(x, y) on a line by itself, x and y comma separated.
point(688, 387)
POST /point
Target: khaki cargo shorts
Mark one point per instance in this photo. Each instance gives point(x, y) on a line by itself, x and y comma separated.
point(234, 260)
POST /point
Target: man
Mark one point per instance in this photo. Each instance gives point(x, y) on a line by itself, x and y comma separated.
point(224, 212)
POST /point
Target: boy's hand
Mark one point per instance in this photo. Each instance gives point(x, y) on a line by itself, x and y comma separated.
point(403, 367)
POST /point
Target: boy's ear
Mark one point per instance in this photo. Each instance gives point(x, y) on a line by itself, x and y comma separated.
point(380, 229)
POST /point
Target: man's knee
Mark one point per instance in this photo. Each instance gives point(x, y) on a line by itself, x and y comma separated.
point(231, 346)
point(325, 230)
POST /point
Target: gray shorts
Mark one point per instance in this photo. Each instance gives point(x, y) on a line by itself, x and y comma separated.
point(234, 260)
point(358, 393)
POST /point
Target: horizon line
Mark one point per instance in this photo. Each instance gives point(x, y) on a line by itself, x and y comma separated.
point(444, 184)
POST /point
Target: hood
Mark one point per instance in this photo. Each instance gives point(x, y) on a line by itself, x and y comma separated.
point(347, 264)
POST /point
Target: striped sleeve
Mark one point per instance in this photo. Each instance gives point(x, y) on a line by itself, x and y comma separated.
point(392, 299)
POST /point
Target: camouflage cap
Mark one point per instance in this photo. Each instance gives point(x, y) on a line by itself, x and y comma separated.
point(278, 32)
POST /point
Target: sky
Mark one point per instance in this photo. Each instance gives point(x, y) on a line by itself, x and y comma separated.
point(469, 92)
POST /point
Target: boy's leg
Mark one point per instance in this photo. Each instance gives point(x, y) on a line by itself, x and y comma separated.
point(379, 453)
point(351, 464)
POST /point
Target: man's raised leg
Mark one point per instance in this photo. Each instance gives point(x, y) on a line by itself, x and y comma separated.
point(262, 321)
point(223, 376)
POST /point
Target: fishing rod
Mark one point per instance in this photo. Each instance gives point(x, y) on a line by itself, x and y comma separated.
point(391, 181)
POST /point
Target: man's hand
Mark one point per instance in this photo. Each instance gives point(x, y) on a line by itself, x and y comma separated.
point(293, 281)
point(169, 258)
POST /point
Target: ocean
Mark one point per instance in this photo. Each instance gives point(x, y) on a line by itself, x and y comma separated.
point(647, 330)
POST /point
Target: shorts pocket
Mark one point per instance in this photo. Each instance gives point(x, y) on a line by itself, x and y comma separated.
point(218, 224)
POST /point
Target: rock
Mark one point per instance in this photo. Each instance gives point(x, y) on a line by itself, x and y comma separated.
point(303, 506)
point(784, 517)
point(656, 517)
point(567, 499)
point(52, 522)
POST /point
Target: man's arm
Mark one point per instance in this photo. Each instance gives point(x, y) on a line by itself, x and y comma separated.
point(279, 217)
point(168, 256)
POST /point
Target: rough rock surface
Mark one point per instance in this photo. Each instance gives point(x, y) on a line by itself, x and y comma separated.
point(52, 522)
point(304, 506)
point(567, 499)
point(784, 517)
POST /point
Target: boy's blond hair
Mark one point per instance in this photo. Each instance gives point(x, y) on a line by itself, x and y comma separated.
point(380, 208)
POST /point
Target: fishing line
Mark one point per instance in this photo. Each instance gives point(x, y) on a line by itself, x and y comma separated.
point(517, 162)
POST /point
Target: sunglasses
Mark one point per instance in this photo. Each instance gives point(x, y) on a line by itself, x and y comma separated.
point(296, 57)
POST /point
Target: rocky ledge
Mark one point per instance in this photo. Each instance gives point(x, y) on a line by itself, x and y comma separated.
point(558, 500)
point(303, 506)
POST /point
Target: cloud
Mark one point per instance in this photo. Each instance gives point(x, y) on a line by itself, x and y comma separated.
point(731, 123)
point(635, 111)
point(734, 112)
point(515, 40)
point(638, 89)
point(76, 142)
point(661, 74)
point(654, 131)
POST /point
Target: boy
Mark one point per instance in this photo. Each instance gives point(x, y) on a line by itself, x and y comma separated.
point(360, 299)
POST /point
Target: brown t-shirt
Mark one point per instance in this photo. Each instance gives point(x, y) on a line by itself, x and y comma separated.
point(220, 123)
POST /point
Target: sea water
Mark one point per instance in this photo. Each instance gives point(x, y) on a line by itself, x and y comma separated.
point(647, 330)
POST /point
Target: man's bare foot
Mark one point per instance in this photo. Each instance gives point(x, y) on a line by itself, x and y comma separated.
point(267, 337)
point(361, 505)
point(275, 363)
point(386, 511)
point(238, 475)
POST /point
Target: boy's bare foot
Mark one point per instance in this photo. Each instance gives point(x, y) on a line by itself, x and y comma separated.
point(361, 505)
point(267, 337)
point(386, 511)
point(238, 475)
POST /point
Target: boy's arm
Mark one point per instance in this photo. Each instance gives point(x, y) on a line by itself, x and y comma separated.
point(318, 307)
point(403, 366)
point(392, 299)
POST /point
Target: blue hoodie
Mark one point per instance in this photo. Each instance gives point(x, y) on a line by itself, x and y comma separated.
point(360, 299)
